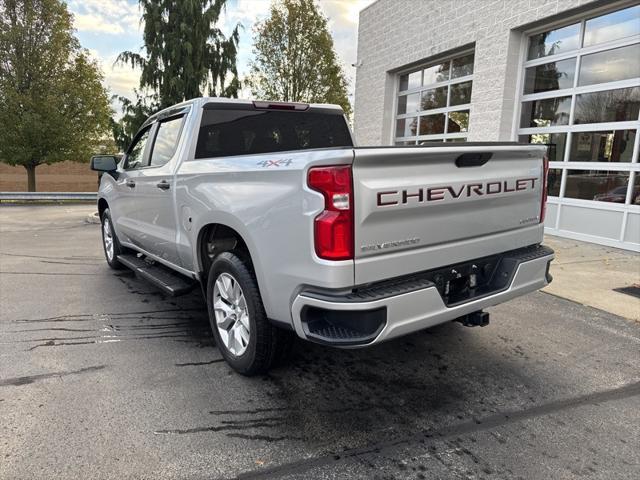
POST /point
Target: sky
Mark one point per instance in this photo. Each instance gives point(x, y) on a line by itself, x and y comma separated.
point(108, 27)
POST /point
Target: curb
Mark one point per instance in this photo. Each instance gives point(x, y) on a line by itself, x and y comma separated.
point(93, 218)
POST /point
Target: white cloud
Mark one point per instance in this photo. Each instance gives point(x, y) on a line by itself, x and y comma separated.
point(94, 23)
point(343, 22)
point(121, 80)
point(106, 16)
point(246, 12)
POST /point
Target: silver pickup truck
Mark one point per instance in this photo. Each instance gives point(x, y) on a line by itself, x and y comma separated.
point(289, 229)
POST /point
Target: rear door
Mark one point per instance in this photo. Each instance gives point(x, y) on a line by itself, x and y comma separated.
point(155, 214)
point(419, 208)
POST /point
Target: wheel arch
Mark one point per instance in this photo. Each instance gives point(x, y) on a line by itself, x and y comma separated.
point(225, 225)
point(216, 238)
point(102, 206)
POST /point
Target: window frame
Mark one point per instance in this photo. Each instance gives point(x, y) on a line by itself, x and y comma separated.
point(439, 137)
point(156, 130)
point(145, 153)
point(632, 167)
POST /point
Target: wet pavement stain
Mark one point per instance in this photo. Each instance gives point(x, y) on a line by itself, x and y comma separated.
point(264, 438)
point(217, 428)
point(184, 325)
point(194, 364)
point(18, 381)
point(451, 432)
point(119, 315)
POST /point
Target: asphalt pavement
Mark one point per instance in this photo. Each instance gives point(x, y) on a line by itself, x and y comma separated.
point(101, 376)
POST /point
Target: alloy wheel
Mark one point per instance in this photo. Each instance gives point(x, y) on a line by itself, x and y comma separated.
point(231, 313)
point(107, 238)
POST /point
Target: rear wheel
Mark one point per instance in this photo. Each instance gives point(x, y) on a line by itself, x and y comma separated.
point(110, 242)
point(246, 339)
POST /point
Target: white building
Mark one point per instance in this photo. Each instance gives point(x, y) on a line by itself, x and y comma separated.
point(561, 72)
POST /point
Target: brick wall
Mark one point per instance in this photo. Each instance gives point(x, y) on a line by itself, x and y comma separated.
point(59, 177)
point(397, 33)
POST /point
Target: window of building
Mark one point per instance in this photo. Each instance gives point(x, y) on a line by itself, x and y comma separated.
point(580, 95)
point(433, 102)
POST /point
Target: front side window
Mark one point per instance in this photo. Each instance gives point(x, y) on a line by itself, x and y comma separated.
point(433, 102)
point(135, 156)
point(581, 97)
point(166, 141)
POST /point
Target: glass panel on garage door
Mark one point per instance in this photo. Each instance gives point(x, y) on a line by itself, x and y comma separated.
point(580, 96)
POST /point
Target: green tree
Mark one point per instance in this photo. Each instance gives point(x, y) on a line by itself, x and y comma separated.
point(185, 53)
point(133, 116)
point(53, 106)
point(295, 60)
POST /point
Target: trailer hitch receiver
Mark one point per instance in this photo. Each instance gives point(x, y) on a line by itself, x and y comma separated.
point(474, 319)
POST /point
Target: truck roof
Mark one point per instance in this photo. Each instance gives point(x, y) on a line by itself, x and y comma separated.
point(213, 101)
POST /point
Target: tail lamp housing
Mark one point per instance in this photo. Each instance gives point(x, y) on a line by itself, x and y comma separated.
point(545, 174)
point(333, 227)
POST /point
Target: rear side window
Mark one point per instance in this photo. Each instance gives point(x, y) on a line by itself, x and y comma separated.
point(166, 141)
point(226, 133)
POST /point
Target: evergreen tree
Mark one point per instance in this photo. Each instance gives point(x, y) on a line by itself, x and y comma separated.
point(133, 116)
point(185, 54)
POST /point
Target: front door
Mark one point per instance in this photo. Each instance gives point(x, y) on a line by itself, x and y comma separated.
point(123, 204)
point(155, 192)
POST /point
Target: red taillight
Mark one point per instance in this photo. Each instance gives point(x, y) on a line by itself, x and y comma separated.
point(333, 229)
point(545, 173)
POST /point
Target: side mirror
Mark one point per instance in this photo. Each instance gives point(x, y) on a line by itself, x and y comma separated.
point(104, 163)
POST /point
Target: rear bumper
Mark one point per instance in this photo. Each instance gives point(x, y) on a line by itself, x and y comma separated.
point(392, 309)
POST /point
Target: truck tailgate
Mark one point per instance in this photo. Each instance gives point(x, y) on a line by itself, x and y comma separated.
point(426, 207)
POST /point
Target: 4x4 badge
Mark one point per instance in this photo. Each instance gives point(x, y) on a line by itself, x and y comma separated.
point(275, 163)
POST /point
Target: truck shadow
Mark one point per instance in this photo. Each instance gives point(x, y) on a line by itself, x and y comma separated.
point(415, 383)
point(326, 396)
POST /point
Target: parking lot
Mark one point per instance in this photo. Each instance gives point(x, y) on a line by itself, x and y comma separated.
point(101, 376)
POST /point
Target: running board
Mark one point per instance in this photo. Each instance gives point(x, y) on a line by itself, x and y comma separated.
point(170, 282)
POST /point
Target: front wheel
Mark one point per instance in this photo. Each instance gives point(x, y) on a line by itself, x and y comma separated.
point(110, 242)
point(246, 339)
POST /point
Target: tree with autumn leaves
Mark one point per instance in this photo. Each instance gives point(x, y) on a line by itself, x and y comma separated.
point(294, 57)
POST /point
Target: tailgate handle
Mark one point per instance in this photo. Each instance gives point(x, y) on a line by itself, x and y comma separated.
point(473, 159)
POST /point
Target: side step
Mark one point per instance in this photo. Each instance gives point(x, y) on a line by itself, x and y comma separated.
point(170, 282)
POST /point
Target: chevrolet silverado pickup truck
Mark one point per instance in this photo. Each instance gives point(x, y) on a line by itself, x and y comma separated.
point(291, 230)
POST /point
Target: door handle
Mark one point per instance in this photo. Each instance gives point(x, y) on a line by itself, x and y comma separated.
point(131, 183)
point(163, 185)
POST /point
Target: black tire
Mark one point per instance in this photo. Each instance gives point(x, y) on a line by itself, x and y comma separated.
point(112, 259)
point(268, 345)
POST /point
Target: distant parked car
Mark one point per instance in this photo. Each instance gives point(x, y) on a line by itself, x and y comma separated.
point(617, 195)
